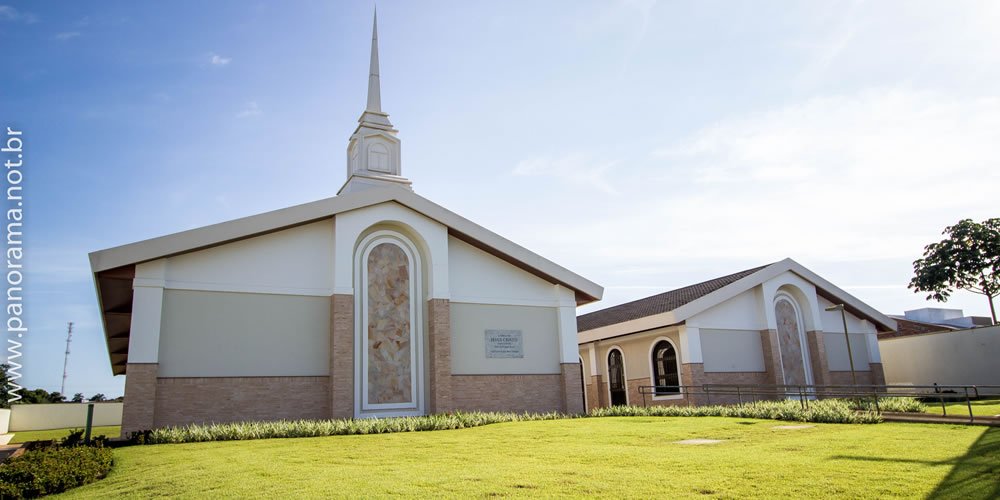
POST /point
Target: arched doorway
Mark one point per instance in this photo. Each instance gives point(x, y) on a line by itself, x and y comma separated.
point(616, 378)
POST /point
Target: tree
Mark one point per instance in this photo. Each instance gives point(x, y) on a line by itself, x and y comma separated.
point(97, 398)
point(968, 259)
point(56, 397)
point(77, 398)
point(4, 386)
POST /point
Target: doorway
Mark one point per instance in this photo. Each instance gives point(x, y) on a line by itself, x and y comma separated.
point(616, 378)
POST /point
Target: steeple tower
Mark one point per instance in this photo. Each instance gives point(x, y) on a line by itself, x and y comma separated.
point(373, 149)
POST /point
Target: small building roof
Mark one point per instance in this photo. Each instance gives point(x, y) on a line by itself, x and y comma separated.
point(675, 306)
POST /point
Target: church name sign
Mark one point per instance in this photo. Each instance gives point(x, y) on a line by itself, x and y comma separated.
point(504, 344)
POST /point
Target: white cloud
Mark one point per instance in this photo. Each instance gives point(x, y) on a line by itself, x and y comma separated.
point(218, 60)
point(574, 168)
point(8, 13)
point(251, 109)
point(66, 35)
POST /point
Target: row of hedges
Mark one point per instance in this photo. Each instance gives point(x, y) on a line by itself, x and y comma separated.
point(826, 411)
point(52, 470)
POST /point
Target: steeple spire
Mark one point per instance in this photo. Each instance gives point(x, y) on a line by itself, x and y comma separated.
point(374, 86)
point(373, 149)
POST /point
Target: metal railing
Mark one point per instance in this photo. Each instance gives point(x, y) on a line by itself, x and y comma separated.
point(744, 393)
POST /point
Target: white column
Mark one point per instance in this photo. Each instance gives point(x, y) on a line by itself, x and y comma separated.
point(690, 344)
point(147, 312)
point(569, 343)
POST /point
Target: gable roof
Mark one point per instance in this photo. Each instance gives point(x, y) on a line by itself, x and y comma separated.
point(114, 268)
point(676, 306)
point(656, 304)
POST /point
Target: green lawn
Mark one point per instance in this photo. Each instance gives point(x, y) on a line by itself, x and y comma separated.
point(609, 457)
point(982, 407)
point(111, 431)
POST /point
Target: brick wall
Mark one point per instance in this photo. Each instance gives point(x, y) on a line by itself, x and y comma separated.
point(140, 397)
point(439, 337)
point(518, 393)
point(817, 355)
point(188, 400)
point(341, 380)
point(572, 388)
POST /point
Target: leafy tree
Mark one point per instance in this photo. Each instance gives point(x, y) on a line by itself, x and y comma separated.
point(97, 398)
point(4, 386)
point(968, 259)
point(77, 398)
point(56, 397)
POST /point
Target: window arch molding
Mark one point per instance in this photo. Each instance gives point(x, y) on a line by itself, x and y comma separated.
point(784, 296)
point(416, 293)
point(653, 379)
point(607, 366)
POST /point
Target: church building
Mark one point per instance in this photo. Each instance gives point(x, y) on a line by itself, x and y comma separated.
point(376, 302)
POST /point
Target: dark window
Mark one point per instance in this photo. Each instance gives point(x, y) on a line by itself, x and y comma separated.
point(616, 378)
point(665, 375)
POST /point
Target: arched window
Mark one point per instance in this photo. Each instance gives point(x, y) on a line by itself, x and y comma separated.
point(665, 373)
point(378, 158)
point(616, 378)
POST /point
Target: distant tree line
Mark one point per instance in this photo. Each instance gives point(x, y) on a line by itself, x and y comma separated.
point(41, 395)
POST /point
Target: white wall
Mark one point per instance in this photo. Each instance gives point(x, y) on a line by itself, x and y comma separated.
point(732, 350)
point(36, 417)
point(963, 357)
point(480, 278)
point(538, 325)
point(295, 261)
point(222, 334)
point(4, 422)
point(742, 312)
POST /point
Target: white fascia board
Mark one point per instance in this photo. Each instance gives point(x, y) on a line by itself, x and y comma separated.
point(843, 296)
point(215, 234)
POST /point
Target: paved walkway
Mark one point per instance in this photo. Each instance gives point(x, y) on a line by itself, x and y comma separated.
point(938, 419)
point(8, 450)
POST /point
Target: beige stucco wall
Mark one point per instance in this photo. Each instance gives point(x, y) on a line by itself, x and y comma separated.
point(964, 357)
point(36, 417)
point(836, 351)
point(636, 352)
point(224, 334)
point(538, 325)
point(732, 350)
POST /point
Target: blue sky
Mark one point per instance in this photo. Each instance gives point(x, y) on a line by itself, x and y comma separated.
point(643, 144)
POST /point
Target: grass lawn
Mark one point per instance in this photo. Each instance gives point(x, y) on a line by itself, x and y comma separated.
point(110, 431)
point(982, 407)
point(611, 457)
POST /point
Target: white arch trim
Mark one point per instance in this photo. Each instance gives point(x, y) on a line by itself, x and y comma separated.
point(362, 407)
point(652, 371)
point(803, 342)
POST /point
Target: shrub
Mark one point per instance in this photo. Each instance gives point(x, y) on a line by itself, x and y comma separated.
point(52, 470)
point(824, 411)
point(312, 428)
point(900, 405)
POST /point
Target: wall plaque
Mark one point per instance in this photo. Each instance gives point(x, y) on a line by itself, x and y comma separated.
point(504, 344)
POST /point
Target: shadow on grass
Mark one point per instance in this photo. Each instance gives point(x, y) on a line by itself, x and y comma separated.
point(973, 475)
point(977, 473)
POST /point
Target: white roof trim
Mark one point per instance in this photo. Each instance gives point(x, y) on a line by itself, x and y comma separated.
point(729, 291)
point(224, 232)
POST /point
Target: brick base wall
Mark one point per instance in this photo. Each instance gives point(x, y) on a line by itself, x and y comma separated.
point(191, 400)
point(517, 393)
point(572, 388)
point(877, 373)
point(140, 397)
point(439, 338)
point(844, 378)
point(341, 380)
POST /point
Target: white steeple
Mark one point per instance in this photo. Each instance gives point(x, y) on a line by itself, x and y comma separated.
point(373, 149)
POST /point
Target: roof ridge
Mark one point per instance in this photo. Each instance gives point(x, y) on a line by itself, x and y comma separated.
point(661, 302)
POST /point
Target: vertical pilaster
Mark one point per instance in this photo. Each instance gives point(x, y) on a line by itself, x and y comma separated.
point(817, 356)
point(772, 357)
point(694, 374)
point(342, 356)
point(439, 338)
point(138, 411)
point(572, 388)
